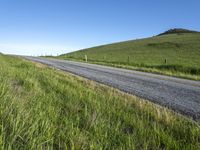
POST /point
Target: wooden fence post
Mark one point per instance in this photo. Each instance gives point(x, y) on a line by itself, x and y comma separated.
point(86, 58)
point(165, 61)
point(128, 59)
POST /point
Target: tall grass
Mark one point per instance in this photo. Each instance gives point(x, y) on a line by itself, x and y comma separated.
point(42, 108)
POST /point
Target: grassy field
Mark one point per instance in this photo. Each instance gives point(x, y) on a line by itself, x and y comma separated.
point(170, 54)
point(42, 108)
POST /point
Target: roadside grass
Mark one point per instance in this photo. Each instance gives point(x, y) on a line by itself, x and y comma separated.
point(43, 108)
point(173, 54)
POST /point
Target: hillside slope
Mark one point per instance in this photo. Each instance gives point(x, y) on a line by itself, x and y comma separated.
point(168, 54)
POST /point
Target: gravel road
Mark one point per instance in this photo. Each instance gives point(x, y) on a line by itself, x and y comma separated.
point(180, 95)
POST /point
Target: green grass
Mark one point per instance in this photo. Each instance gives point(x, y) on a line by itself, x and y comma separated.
point(42, 108)
point(181, 52)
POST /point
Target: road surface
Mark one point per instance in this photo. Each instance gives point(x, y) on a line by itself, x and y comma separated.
point(180, 95)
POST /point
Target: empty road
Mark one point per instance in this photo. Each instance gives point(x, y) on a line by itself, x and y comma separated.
point(180, 95)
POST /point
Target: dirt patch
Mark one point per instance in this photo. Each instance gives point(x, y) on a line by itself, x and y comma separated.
point(17, 85)
point(129, 129)
point(39, 65)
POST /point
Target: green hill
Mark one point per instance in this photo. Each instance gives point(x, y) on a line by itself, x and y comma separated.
point(175, 52)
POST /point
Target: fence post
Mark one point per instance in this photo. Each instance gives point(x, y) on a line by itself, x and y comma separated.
point(128, 59)
point(165, 61)
point(86, 58)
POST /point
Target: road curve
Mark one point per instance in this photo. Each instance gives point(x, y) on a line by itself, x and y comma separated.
point(180, 95)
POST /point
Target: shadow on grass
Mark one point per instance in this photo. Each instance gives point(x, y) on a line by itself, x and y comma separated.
point(177, 68)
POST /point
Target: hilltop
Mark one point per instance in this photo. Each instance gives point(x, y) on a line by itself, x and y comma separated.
point(178, 31)
point(174, 52)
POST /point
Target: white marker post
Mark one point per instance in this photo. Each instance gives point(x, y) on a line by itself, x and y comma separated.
point(86, 58)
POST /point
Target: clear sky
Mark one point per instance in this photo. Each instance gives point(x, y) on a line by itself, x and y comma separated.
point(35, 27)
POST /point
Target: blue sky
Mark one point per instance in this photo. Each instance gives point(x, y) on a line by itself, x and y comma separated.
point(39, 27)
